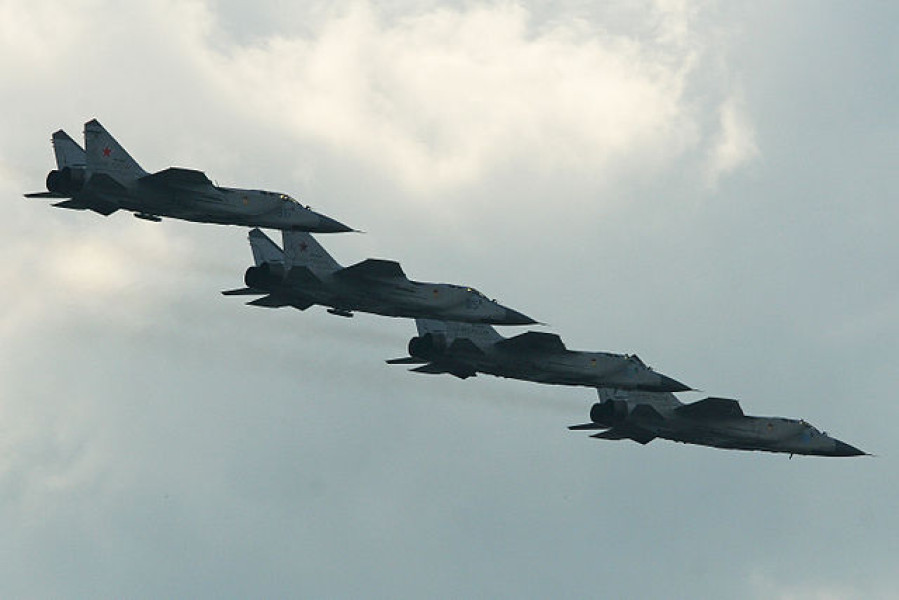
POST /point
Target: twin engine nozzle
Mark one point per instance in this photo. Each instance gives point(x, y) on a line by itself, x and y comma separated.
point(67, 181)
point(264, 276)
point(428, 346)
point(609, 412)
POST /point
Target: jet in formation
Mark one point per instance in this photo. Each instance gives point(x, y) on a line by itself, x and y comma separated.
point(303, 274)
point(466, 349)
point(102, 177)
point(717, 422)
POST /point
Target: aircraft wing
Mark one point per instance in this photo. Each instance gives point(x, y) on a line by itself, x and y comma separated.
point(178, 178)
point(532, 341)
point(711, 408)
point(372, 268)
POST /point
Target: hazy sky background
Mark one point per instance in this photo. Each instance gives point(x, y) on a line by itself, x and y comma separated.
point(709, 185)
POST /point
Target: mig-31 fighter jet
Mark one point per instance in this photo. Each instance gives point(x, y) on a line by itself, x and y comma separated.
point(304, 274)
point(716, 422)
point(102, 177)
point(465, 349)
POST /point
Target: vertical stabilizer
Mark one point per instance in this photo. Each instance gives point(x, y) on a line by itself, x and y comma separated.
point(264, 249)
point(302, 250)
point(106, 156)
point(481, 335)
point(68, 152)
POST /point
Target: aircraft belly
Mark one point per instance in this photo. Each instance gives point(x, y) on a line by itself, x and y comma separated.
point(731, 436)
point(383, 298)
point(104, 203)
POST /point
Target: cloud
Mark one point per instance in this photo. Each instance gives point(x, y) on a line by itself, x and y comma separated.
point(444, 96)
point(735, 143)
point(434, 98)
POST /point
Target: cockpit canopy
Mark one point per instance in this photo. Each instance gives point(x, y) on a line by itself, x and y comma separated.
point(287, 198)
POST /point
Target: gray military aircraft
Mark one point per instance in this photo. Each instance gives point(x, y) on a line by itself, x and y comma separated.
point(103, 177)
point(466, 349)
point(717, 422)
point(304, 274)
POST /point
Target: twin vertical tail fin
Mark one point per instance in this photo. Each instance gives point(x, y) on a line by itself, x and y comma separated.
point(264, 249)
point(68, 152)
point(104, 155)
point(302, 250)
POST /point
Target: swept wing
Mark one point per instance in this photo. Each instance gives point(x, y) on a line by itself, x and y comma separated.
point(372, 268)
point(176, 177)
point(711, 408)
point(532, 341)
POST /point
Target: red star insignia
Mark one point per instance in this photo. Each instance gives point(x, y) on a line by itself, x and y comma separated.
point(107, 151)
point(303, 246)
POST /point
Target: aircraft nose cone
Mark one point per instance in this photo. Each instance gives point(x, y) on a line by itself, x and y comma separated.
point(844, 449)
point(513, 317)
point(667, 384)
point(329, 225)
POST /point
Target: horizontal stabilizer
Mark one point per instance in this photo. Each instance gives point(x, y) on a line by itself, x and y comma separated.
point(533, 341)
point(406, 360)
point(177, 177)
point(711, 408)
point(373, 268)
point(45, 195)
point(611, 434)
point(432, 369)
point(638, 435)
point(439, 369)
point(72, 205)
point(587, 427)
point(269, 302)
point(243, 292)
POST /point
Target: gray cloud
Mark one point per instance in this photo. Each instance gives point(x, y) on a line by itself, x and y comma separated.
point(706, 185)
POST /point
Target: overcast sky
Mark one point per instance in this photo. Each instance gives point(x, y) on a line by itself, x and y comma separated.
point(709, 185)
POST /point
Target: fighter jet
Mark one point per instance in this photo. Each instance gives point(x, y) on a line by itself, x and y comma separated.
point(304, 274)
point(465, 349)
point(717, 422)
point(103, 177)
